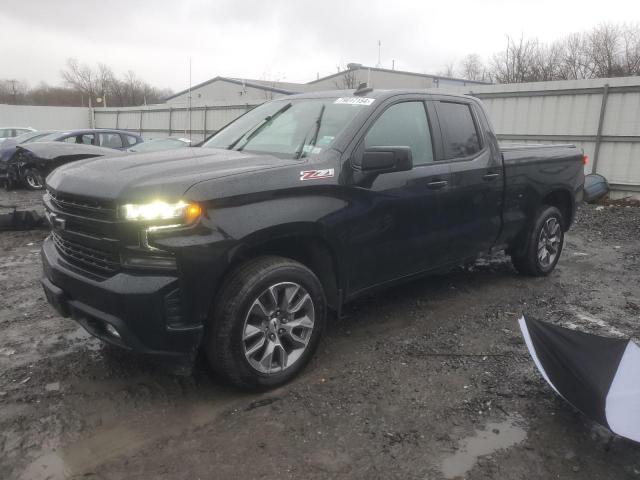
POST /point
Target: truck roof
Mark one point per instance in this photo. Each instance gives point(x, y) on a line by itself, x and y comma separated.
point(378, 94)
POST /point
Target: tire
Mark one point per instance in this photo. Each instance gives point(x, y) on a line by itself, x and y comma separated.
point(33, 179)
point(544, 245)
point(245, 327)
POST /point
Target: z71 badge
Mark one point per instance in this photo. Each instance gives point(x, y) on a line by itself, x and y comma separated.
point(316, 174)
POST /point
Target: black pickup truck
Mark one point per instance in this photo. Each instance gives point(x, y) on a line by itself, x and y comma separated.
point(242, 246)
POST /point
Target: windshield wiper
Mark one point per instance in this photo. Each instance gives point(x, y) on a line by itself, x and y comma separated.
point(300, 151)
point(258, 128)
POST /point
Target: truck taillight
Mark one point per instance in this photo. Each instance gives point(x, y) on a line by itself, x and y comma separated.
point(585, 159)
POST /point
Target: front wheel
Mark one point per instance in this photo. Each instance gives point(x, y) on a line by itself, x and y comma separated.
point(544, 244)
point(267, 321)
point(33, 179)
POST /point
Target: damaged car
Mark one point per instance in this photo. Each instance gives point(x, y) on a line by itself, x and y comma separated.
point(116, 140)
point(31, 163)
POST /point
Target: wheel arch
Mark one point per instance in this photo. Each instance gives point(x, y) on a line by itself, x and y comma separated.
point(563, 200)
point(304, 244)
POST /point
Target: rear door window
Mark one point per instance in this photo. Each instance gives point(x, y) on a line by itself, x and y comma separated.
point(403, 125)
point(85, 139)
point(459, 130)
point(110, 140)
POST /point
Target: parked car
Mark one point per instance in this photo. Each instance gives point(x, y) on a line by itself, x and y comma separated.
point(8, 149)
point(100, 137)
point(302, 204)
point(161, 144)
point(12, 175)
point(32, 162)
point(11, 132)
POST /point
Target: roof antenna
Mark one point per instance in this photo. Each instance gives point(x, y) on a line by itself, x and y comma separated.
point(362, 89)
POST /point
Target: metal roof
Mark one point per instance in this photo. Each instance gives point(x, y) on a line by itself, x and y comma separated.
point(401, 72)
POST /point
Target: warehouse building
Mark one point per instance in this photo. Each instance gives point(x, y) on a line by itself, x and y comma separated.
point(237, 91)
point(233, 91)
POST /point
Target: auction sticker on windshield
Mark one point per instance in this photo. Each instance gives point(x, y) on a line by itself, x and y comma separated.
point(354, 100)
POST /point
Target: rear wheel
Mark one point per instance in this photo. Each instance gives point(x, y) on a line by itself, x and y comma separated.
point(267, 321)
point(544, 244)
point(33, 179)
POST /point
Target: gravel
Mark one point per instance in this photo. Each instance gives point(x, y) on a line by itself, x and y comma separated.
point(408, 381)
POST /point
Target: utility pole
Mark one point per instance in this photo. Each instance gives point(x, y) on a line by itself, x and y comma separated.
point(190, 99)
point(379, 63)
point(92, 118)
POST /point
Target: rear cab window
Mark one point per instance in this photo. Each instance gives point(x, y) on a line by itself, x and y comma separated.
point(460, 134)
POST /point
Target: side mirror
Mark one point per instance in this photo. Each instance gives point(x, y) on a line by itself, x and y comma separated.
point(386, 159)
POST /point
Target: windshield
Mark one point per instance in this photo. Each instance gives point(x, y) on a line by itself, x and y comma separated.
point(295, 129)
point(52, 137)
point(29, 136)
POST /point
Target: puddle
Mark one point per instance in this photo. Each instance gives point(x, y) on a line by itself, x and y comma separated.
point(494, 437)
point(113, 441)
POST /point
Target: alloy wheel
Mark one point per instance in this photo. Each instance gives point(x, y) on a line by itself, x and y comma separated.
point(278, 327)
point(33, 181)
point(549, 242)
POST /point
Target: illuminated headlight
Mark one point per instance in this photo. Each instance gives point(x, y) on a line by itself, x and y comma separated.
point(158, 210)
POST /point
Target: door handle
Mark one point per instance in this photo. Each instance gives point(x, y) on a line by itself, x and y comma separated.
point(490, 176)
point(435, 185)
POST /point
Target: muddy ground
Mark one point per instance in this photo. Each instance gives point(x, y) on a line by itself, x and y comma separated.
point(428, 380)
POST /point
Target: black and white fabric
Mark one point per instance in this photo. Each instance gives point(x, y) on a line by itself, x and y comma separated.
point(597, 375)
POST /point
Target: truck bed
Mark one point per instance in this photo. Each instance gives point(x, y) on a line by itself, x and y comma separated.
point(530, 170)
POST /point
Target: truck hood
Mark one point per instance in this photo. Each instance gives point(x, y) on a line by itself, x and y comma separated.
point(166, 174)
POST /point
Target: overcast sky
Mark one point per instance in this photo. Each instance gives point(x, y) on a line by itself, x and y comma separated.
point(276, 40)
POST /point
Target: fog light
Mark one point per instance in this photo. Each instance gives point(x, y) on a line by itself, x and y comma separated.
point(111, 330)
point(149, 262)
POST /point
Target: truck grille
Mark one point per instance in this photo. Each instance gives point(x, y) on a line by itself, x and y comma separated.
point(92, 259)
point(83, 206)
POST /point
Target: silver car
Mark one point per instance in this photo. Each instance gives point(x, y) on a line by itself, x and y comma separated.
point(10, 132)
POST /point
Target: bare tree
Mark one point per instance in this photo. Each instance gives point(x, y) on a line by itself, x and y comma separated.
point(516, 64)
point(631, 49)
point(81, 77)
point(547, 62)
point(472, 68)
point(575, 62)
point(448, 71)
point(133, 89)
point(603, 44)
point(82, 82)
point(12, 91)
